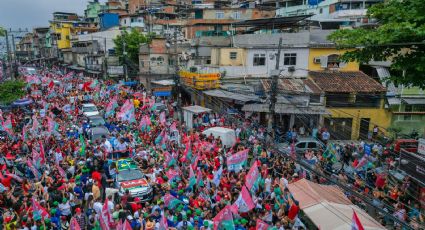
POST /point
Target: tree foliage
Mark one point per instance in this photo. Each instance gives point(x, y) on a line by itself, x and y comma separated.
point(399, 38)
point(2, 32)
point(132, 41)
point(10, 91)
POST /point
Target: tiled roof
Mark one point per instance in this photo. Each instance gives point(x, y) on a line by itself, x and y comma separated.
point(345, 82)
point(293, 85)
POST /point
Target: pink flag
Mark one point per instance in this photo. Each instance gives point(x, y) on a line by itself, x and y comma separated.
point(73, 225)
point(261, 225)
point(356, 224)
point(244, 201)
point(14, 176)
point(33, 169)
point(224, 217)
point(252, 178)
point(42, 153)
point(105, 217)
point(162, 118)
point(39, 209)
point(24, 133)
point(62, 172)
point(172, 173)
point(126, 226)
point(163, 225)
point(173, 126)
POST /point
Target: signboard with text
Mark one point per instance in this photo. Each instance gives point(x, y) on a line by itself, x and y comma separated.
point(421, 146)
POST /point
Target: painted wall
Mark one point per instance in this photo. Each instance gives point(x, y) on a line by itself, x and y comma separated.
point(108, 20)
point(238, 14)
point(378, 116)
point(318, 52)
point(247, 68)
point(221, 57)
point(64, 29)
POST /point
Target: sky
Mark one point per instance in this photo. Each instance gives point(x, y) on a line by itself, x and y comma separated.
point(17, 14)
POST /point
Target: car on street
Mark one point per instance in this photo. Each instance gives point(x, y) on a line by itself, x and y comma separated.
point(301, 145)
point(90, 110)
point(129, 177)
point(96, 133)
point(96, 120)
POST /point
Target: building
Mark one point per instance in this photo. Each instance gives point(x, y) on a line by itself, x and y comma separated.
point(108, 20)
point(43, 43)
point(157, 61)
point(25, 48)
point(356, 103)
point(330, 13)
point(92, 11)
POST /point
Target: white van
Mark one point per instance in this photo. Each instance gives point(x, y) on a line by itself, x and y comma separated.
point(227, 136)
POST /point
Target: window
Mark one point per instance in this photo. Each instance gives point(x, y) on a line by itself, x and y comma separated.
point(408, 108)
point(259, 60)
point(233, 55)
point(236, 15)
point(333, 61)
point(311, 145)
point(290, 59)
point(219, 15)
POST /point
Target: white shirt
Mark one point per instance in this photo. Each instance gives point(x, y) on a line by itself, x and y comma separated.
point(111, 205)
point(97, 206)
point(268, 184)
point(65, 209)
point(108, 146)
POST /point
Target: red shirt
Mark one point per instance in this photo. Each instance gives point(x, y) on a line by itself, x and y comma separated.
point(293, 211)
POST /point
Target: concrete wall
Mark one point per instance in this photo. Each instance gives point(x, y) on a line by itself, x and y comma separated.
point(110, 35)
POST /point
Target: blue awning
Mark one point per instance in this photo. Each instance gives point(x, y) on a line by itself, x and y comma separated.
point(130, 83)
point(162, 94)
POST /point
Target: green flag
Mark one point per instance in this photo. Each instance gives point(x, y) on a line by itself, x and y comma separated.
point(83, 146)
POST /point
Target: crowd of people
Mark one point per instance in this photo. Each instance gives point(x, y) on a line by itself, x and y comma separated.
point(53, 176)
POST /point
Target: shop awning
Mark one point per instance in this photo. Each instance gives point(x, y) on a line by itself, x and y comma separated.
point(196, 109)
point(163, 82)
point(287, 109)
point(327, 206)
point(414, 101)
point(230, 95)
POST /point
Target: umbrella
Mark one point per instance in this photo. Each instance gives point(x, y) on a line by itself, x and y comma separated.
point(22, 102)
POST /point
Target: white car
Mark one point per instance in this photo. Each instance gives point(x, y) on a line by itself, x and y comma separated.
point(90, 110)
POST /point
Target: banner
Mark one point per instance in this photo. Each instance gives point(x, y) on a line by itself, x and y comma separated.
point(236, 161)
point(252, 179)
point(244, 201)
point(217, 176)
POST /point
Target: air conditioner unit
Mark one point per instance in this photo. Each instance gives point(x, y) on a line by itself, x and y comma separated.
point(316, 60)
point(291, 69)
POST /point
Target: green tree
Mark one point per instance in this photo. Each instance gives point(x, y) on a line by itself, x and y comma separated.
point(132, 41)
point(399, 38)
point(10, 91)
point(2, 32)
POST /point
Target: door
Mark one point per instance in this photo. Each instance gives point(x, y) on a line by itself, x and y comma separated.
point(364, 128)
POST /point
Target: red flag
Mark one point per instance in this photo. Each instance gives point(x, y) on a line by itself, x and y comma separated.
point(356, 224)
point(105, 217)
point(73, 225)
point(261, 225)
point(51, 84)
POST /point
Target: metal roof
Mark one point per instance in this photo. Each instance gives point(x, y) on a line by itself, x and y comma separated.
point(286, 109)
point(231, 95)
point(272, 22)
point(196, 109)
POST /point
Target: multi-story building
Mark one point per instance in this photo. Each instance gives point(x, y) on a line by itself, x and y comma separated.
point(329, 12)
point(25, 48)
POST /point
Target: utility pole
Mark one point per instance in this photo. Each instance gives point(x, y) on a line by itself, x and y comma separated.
point(125, 60)
point(273, 92)
point(177, 78)
point(9, 62)
point(15, 64)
